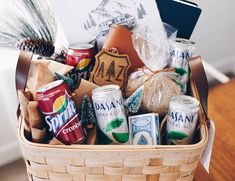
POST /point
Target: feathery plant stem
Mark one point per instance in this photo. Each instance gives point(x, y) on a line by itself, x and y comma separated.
point(29, 25)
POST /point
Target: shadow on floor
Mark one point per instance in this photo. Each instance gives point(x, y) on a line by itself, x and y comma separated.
point(15, 171)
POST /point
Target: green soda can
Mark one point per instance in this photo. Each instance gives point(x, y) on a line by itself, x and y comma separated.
point(110, 113)
point(182, 119)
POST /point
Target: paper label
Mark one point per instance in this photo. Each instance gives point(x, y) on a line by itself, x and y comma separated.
point(144, 129)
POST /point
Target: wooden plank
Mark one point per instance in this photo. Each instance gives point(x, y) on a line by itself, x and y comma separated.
point(222, 111)
point(201, 174)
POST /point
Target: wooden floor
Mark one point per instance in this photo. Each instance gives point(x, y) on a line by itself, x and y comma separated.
point(15, 171)
point(222, 112)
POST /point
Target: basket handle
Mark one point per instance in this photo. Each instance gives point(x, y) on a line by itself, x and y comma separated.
point(22, 70)
point(199, 76)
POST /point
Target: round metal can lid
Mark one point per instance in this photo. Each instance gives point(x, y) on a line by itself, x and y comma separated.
point(106, 89)
point(80, 46)
point(184, 41)
point(184, 102)
point(49, 86)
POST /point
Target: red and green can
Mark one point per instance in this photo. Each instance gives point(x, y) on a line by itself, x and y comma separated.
point(82, 57)
point(58, 108)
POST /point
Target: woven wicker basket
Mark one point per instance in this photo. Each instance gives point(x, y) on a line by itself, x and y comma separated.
point(113, 162)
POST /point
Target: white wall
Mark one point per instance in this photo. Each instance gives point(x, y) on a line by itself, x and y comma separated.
point(215, 33)
point(9, 147)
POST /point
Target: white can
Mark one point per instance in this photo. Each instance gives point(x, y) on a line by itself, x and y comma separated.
point(181, 51)
point(182, 119)
point(110, 113)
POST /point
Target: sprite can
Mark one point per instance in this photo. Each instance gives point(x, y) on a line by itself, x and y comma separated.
point(110, 113)
point(182, 119)
point(60, 113)
point(82, 57)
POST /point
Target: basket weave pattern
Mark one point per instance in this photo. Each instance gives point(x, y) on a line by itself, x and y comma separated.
point(105, 162)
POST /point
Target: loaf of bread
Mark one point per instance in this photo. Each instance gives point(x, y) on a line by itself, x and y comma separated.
point(158, 90)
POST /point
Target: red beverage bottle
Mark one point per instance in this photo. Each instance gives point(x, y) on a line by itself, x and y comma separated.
point(56, 104)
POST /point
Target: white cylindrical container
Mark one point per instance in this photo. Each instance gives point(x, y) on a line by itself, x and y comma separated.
point(110, 113)
point(182, 119)
point(181, 51)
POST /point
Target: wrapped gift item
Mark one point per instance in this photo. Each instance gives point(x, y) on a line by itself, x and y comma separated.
point(35, 128)
point(24, 97)
point(123, 45)
point(85, 88)
point(41, 72)
point(158, 90)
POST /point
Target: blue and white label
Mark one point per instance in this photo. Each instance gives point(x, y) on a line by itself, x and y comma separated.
point(144, 129)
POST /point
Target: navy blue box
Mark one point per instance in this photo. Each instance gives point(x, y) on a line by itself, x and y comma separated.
point(181, 14)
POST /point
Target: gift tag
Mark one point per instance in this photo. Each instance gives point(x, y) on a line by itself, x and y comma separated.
point(111, 68)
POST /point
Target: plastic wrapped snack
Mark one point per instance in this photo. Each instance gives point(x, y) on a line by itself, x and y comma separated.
point(151, 46)
point(171, 31)
point(135, 80)
point(158, 90)
point(152, 43)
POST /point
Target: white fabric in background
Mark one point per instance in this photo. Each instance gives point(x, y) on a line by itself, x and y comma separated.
point(8, 97)
point(9, 146)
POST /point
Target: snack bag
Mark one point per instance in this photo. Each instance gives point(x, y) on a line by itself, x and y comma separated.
point(152, 41)
point(158, 90)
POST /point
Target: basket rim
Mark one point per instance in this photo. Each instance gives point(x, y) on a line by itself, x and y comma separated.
point(27, 143)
